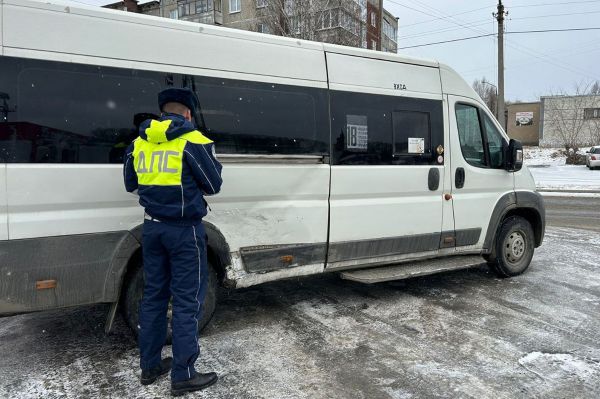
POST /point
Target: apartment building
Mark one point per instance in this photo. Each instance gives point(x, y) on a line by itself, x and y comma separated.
point(357, 23)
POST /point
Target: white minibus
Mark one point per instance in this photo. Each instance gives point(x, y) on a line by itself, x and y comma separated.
point(376, 166)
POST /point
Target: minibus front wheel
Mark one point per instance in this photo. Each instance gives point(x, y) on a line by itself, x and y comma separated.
point(135, 288)
point(513, 248)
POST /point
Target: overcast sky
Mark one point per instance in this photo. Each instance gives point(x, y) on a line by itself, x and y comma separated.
point(535, 63)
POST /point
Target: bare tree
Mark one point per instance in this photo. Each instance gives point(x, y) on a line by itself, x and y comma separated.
point(593, 120)
point(333, 21)
point(594, 128)
point(566, 115)
point(488, 93)
point(595, 89)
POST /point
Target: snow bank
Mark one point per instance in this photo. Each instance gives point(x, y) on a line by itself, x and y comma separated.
point(547, 165)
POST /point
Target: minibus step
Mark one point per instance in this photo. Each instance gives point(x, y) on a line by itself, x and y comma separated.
point(412, 269)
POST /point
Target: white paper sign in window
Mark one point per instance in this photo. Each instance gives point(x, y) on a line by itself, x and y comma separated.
point(357, 133)
point(416, 145)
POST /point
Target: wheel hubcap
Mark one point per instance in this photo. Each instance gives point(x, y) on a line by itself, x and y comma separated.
point(514, 246)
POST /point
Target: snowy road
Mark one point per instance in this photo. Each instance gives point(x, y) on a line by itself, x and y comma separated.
point(465, 334)
point(575, 211)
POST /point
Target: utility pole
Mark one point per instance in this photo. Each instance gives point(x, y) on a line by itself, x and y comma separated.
point(500, 18)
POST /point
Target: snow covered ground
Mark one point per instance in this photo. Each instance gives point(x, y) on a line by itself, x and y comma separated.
point(547, 165)
point(466, 334)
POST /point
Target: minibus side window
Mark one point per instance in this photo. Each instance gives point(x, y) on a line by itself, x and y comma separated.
point(373, 129)
point(412, 133)
point(495, 143)
point(260, 118)
point(470, 135)
point(70, 113)
point(57, 112)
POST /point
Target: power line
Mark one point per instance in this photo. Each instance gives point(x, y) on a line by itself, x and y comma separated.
point(519, 48)
point(441, 15)
point(556, 15)
point(448, 41)
point(554, 4)
point(483, 22)
point(453, 15)
point(491, 34)
point(443, 30)
point(413, 9)
point(553, 30)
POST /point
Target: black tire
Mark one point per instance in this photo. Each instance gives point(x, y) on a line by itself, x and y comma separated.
point(135, 288)
point(513, 247)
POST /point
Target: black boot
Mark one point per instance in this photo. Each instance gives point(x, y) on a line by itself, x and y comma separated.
point(150, 375)
point(198, 382)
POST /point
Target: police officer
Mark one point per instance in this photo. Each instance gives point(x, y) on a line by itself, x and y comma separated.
point(171, 166)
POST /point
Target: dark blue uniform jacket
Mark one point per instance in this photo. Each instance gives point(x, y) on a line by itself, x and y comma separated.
point(172, 166)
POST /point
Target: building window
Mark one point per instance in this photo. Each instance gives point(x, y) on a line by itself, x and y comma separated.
point(262, 28)
point(348, 22)
point(390, 31)
point(335, 18)
point(261, 3)
point(173, 14)
point(373, 18)
point(235, 6)
point(295, 24)
point(185, 9)
point(203, 6)
point(196, 7)
point(591, 113)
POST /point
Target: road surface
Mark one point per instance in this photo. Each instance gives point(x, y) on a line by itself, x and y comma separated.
point(574, 211)
point(465, 334)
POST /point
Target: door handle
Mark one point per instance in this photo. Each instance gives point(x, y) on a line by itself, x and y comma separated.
point(459, 178)
point(433, 180)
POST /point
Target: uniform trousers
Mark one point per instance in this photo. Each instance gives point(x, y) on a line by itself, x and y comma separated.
point(175, 266)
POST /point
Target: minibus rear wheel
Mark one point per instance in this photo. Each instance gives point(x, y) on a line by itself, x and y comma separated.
point(135, 288)
point(513, 248)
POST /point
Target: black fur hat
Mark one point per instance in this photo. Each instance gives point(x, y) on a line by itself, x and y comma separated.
point(182, 96)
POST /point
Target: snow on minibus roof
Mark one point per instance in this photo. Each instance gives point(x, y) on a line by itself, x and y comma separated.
point(99, 12)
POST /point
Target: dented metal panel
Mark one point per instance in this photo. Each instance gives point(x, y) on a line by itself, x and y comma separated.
point(268, 258)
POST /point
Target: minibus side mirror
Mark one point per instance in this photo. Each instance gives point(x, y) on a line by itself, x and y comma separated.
point(514, 156)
